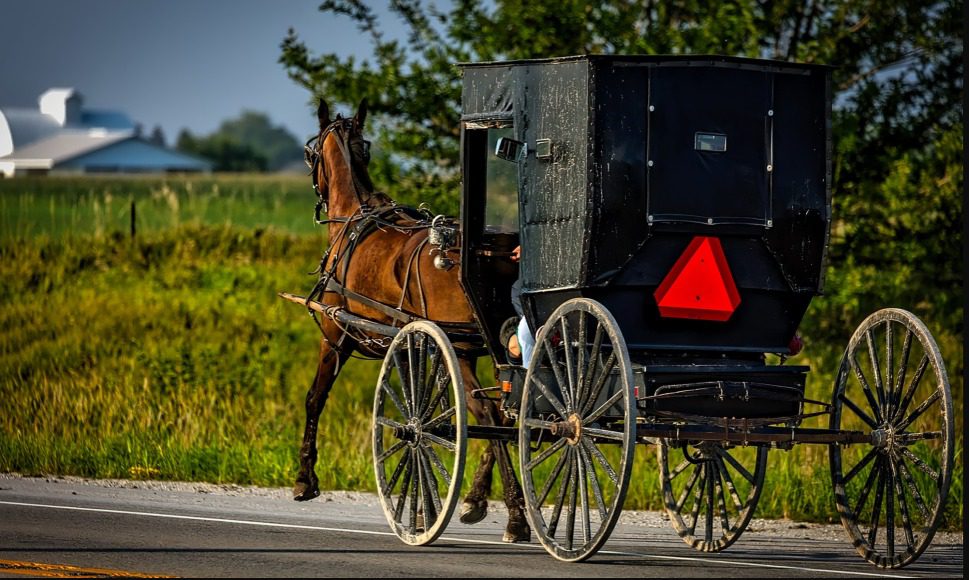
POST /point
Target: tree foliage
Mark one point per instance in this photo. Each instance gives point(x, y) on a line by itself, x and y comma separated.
point(897, 122)
point(248, 142)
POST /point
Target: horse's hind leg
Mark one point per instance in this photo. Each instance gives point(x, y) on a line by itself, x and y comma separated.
point(307, 485)
point(475, 505)
point(517, 529)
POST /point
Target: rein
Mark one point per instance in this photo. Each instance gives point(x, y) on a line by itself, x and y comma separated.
point(365, 220)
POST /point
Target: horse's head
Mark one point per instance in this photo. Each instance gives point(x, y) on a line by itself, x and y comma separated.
point(338, 157)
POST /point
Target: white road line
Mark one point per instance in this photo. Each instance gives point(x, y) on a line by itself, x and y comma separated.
point(450, 539)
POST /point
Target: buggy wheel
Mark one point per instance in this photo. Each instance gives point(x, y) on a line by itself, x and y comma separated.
point(419, 433)
point(711, 494)
point(891, 492)
point(577, 430)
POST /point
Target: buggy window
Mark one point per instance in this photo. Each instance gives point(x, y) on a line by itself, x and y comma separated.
point(501, 195)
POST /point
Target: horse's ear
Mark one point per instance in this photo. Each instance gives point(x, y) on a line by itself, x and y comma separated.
point(323, 112)
point(361, 115)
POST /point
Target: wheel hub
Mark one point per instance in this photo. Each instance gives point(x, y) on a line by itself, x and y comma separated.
point(570, 429)
point(412, 432)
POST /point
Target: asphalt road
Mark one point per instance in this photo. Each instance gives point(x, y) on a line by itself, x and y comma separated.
point(71, 528)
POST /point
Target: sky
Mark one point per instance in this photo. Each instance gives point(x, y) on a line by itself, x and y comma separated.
point(174, 63)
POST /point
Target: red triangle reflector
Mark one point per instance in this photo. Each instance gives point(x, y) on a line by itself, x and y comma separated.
point(700, 285)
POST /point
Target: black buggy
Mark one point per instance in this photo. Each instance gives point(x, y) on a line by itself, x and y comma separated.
point(673, 215)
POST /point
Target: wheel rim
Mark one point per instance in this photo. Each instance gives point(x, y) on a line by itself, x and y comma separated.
point(580, 390)
point(893, 385)
point(711, 494)
point(419, 433)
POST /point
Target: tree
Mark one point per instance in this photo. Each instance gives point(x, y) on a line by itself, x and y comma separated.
point(255, 130)
point(897, 119)
point(157, 136)
point(225, 153)
point(251, 136)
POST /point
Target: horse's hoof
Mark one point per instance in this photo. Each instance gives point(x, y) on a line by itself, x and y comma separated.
point(305, 492)
point(515, 533)
point(473, 512)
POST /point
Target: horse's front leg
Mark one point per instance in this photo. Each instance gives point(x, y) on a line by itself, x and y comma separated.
point(307, 485)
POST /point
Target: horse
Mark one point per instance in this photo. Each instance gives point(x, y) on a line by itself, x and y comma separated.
point(383, 270)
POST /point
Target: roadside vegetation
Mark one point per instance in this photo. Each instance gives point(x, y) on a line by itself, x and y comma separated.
point(167, 355)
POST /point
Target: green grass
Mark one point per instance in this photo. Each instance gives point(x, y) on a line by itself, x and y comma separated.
point(169, 356)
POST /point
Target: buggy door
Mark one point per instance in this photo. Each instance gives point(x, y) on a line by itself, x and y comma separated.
point(489, 227)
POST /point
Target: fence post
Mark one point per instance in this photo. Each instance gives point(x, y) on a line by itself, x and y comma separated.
point(133, 219)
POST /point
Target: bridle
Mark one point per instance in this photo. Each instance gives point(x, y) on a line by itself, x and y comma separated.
point(342, 129)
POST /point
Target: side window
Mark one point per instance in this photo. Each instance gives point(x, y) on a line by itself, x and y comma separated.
point(501, 195)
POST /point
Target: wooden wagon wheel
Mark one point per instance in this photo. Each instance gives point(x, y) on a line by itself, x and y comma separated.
point(712, 493)
point(892, 384)
point(419, 433)
point(577, 430)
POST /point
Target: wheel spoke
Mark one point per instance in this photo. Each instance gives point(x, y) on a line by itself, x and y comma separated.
point(388, 423)
point(441, 396)
point(876, 510)
point(415, 483)
point(866, 489)
point(889, 368)
point(936, 395)
point(433, 507)
point(537, 423)
point(581, 371)
point(585, 403)
point(583, 496)
point(603, 433)
point(721, 452)
point(890, 512)
point(552, 399)
point(721, 499)
point(548, 452)
point(449, 445)
point(857, 410)
point(446, 415)
point(569, 368)
point(404, 489)
point(600, 382)
point(710, 501)
point(681, 501)
point(573, 493)
point(594, 482)
point(401, 465)
point(435, 460)
point(405, 390)
point(909, 438)
point(560, 499)
point(900, 376)
point(922, 465)
point(902, 504)
point(552, 478)
point(860, 465)
point(680, 469)
point(610, 402)
point(913, 490)
point(876, 372)
point(865, 388)
point(698, 498)
point(392, 395)
point(412, 373)
point(731, 488)
point(391, 451)
point(559, 379)
point(594, 451)
point(910, 392)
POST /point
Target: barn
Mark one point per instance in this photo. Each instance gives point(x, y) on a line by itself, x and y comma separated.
point(61, 136)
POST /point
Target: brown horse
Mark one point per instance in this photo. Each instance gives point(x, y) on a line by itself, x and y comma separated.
point(384, 268)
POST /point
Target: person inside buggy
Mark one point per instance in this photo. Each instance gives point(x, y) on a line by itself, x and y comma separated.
point(516, 336)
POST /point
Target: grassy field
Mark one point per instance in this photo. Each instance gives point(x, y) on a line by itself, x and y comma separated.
point(169, 356)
